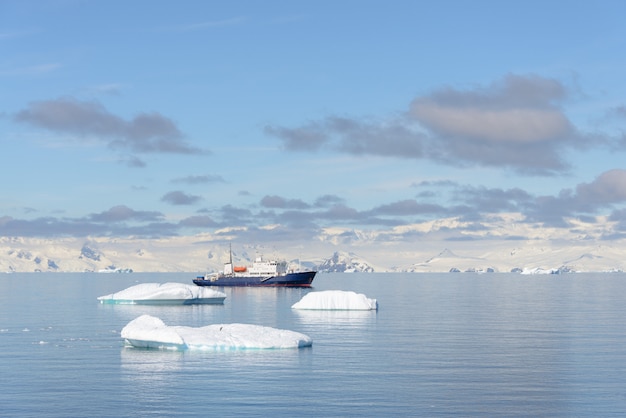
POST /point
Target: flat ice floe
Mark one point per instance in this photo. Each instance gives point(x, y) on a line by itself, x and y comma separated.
point(150, 332)
point(336, 300)
point(164, 294)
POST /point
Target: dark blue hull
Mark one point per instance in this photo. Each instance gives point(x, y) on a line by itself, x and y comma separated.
point(300, 279)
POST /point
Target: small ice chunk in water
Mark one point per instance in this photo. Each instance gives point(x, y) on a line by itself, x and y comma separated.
point(336, 300)
point(150, 332)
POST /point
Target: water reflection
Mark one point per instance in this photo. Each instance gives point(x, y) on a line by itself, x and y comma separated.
point(191, 315)
point(336, 328)
point(162, 382)
point(326, 317)
point(148, 366)
point(147, 377)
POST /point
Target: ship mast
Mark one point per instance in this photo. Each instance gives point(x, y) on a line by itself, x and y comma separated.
point(230, 251)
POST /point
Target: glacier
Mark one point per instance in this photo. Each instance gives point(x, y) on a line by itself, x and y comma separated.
point(164, 294)
point(148, 331)
point(336, 300)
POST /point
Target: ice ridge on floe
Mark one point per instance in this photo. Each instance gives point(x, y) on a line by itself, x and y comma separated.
point(336, 300)
point(150, 332)
point(164, 293)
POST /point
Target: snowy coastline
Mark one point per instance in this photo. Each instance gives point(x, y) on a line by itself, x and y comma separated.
point(192, 254)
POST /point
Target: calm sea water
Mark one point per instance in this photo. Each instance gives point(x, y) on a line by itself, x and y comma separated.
point(439, 345)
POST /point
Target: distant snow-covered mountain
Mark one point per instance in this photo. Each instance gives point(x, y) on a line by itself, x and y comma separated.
point(201, 254)
point(447, 260)
point(342, 262)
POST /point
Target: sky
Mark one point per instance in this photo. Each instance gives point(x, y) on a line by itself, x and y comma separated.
point(279, 120)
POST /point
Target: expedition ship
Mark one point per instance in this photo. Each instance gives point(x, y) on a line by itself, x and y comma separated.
point(262, 273)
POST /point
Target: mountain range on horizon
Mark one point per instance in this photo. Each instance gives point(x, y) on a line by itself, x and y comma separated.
point(196, 254)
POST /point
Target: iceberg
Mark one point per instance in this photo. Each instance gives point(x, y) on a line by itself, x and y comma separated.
point(150, 332)
point(336, 300)
point(539, 270)
point(164, 294)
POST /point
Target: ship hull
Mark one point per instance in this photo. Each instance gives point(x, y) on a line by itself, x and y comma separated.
point(300, 279)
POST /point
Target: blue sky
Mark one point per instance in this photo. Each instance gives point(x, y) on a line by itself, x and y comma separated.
point(165, 118)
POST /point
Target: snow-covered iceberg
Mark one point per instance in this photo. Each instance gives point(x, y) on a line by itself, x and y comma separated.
point(336, 300)
point(539, 270)
point(164, 294)
point(150, 332)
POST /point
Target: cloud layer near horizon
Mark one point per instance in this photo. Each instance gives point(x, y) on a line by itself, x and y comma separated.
point(294, 218)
